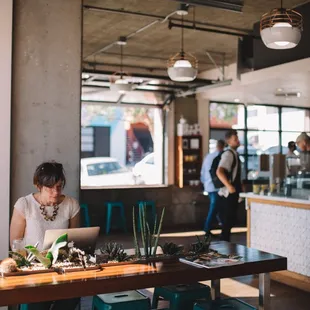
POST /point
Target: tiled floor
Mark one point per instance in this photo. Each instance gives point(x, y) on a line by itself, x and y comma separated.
point(246, 288)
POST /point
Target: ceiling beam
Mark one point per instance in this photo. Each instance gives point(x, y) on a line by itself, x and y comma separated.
point(201, 89)
point(136, 89)
point(156, 57)
point(160, 17)
point(228, 5)
point(149, 77)
point(93, 64)
point(231, 33)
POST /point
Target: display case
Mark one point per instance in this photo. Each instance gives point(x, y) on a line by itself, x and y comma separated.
point(188, 160)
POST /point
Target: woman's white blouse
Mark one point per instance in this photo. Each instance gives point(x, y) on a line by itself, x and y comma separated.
point(35, 223)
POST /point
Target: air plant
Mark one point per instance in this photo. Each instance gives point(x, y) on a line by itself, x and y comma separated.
point(201, 246)
point(52, 254)
point(170, 248)
point(149, 240)
point(115, 252)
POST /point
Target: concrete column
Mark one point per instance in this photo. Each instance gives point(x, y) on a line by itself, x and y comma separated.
point(6, 11)
point(46, 90)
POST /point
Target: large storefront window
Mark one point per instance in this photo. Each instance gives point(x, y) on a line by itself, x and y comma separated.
point(262, 129)
point(121, 145)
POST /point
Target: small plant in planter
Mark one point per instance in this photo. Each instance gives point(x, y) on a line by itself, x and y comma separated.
point(20, 260)
point(170, 248)
point(201, 246)
point(114, 252)
point(149, 238)
point(52, 254)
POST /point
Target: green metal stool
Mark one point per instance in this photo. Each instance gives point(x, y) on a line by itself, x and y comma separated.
point(128, 300)
point(23, 307)
point(224, 304)
point(85, 215)
point(181, 296)
point(147, 204)
point(110, 205)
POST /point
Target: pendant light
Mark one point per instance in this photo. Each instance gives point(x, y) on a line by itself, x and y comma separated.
point(182, 67)
point(281, 28)
point(119, 82)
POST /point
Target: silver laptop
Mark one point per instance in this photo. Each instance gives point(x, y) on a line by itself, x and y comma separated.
point(83, 238)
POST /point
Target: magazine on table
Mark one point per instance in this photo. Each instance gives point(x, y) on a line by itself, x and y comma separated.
point(209, 261)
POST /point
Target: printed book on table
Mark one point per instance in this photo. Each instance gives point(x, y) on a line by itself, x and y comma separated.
point(207, 261)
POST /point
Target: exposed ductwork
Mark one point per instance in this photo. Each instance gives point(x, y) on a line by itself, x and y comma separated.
point(228, 5)
point(160, 19)
point(227, 32)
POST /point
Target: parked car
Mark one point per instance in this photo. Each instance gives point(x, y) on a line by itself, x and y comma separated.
point(104, 171)
point(146, 172)
point(276, 149)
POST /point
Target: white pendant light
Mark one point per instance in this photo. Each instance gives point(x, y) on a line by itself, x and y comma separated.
point(121, 85)
point(119, 81)
point(281, 28)
point(182, 67)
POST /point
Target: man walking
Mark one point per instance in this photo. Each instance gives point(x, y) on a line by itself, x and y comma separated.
point(229, 173)
point(209, 186)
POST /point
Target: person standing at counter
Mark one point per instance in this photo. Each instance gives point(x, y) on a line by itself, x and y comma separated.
point(209, 187)
point(229, 173)
point(303, 143)
point(292, 160)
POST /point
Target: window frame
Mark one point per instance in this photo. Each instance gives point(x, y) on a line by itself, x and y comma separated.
point(246, 130)
point(164, 146)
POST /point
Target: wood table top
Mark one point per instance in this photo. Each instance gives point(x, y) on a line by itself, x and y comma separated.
point(53, 286)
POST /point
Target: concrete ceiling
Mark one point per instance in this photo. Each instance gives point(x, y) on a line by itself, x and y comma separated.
point(155, 44)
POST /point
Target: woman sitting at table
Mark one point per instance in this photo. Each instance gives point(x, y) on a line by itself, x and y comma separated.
point(46, 209)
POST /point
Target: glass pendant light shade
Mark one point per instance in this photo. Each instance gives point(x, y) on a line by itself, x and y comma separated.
point(182, 67)
point(120, 83)
point(281, 28)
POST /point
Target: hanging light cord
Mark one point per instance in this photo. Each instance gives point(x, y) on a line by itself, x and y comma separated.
point(182, 39)
point(121, 61)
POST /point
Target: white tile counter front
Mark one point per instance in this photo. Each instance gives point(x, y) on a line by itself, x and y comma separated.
point(281, 226)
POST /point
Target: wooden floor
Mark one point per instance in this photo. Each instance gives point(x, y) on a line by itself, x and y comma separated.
point(246, 288)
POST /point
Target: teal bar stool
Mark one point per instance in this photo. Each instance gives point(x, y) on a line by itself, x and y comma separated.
point(182, 296)
point(224, 304)
point(110, 205)
point(147, 204)
point(23, 307)
point(85, 215)
point(128, 300)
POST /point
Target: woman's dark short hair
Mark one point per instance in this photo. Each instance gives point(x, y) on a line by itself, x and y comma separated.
point(48, 174)
point(230, 133)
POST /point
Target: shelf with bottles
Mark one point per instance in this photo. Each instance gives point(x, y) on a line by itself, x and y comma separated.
point(188, 160)
point(192, 182)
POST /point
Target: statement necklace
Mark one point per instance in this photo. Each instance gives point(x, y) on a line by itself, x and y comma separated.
point(44, 213)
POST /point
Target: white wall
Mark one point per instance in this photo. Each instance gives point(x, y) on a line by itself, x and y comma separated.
point(6, 7)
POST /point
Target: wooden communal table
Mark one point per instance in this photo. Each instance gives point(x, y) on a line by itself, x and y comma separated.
point(52, 286)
